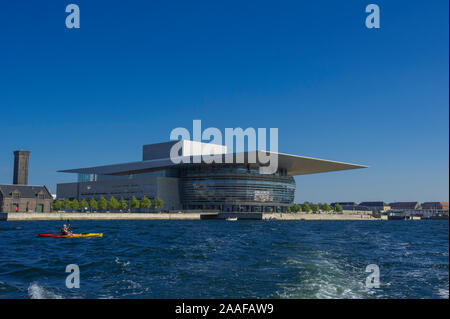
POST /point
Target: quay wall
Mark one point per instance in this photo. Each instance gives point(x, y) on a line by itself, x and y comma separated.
point(173, 216)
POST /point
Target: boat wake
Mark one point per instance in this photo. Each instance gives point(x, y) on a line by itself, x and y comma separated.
point(321, 278)
point(38, 292)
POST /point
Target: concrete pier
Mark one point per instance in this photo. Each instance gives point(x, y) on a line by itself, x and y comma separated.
point(177, 216)
point(99, 216)
point(304, 216)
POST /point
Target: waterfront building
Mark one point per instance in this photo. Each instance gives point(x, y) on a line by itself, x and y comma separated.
point(357, 208)
point(345, 205)
point(434, 210)
point(191, 183)
point(435, 206)
point(20, 197)
point(25, 199)
point(352, 207)
point(375, 206)
point(401, 206)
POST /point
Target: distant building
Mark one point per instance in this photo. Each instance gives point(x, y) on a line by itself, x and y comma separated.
point(375, 206)
point(345, 204)
point(20, 197)
point(405, 205)
point(435, 206)
point(408, 210)
point(350, 206)
point(24, 198)
point(356, 208)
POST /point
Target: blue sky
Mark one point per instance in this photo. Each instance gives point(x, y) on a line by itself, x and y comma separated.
point(137, 69)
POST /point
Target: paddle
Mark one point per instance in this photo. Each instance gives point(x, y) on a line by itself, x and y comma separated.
point(69, 228)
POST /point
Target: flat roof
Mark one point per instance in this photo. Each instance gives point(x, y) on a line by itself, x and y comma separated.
point(293, 164)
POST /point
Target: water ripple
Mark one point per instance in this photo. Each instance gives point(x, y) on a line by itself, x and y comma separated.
point(213, 259)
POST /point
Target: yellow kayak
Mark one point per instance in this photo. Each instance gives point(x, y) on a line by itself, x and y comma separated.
point(87, 235)
point(90, 235)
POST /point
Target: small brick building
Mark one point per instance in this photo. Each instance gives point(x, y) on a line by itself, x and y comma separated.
point(25, 198)
point(21, 197)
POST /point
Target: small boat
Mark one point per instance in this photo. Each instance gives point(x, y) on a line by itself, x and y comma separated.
point(232, 219)
point(397, 216)
point(89, 235)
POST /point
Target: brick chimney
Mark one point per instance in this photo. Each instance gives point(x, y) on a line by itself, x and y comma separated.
point(21, 167)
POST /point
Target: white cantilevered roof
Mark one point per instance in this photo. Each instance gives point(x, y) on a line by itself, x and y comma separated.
point(293, 164)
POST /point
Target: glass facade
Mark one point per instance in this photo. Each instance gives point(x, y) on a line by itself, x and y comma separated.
point(235, 188)
point(100, 178)
point(86, 178)
point(224, 187)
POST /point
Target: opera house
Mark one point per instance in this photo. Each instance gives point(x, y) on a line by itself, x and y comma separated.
point(232, 182)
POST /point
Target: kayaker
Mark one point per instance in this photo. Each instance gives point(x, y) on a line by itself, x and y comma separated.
point(65, 231)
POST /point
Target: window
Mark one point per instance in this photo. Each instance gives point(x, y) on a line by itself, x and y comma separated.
point(16, 195)
point(40, 196)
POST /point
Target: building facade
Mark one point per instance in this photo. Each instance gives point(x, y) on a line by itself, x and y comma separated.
point(380, 207)
point(25, 199)
point(401, 206)
point(188, 182)
point(443, 206)
point(20, 197)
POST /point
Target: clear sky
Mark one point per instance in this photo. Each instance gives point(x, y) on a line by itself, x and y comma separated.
point(137, 69)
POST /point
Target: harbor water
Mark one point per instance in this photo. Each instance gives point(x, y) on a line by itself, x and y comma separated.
point(227, 259)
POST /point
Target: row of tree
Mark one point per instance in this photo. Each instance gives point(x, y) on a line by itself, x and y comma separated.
point(104, 204)
point(315, 208)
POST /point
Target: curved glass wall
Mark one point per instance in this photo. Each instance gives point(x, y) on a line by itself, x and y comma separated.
point(235, 188)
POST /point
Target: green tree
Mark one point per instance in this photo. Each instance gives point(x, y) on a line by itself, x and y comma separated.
point(134, 203)
point(315, 208)
point(158, 203)
point(74, 205)
point(288, 209)
point(66, 204)
point(305, 207)
point(84, 204)
point(56, 205)
point(102, 203)
point(113, 204)
point(296, 208)
point(326, 207)
point(145, 202)
point(338, 208)
point(93, 204)
point(123, 204)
